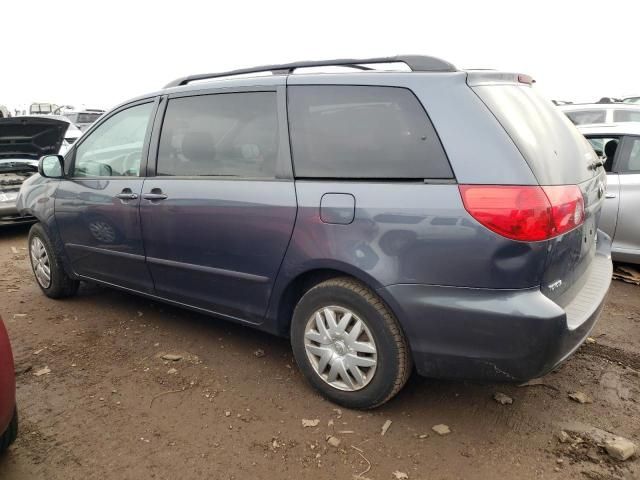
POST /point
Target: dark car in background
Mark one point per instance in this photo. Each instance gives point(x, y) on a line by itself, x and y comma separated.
point(439, 219)
point(8, 410)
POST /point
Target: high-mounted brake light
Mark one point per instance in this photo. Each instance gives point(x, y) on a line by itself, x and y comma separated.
point(525, 213)
point(523, 78)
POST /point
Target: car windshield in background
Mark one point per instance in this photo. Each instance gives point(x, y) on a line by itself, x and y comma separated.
point(87, 117)
point(587, 117)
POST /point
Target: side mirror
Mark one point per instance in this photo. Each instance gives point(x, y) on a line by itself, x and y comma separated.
point(51, 166)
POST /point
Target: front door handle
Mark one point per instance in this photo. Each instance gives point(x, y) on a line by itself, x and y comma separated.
point(127, 194)
point(610, 195)
point(155, 194)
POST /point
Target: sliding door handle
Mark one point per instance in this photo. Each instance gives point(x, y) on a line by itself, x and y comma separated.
point(154, 196)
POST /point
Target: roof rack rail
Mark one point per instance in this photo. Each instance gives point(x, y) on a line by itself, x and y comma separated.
point(417, 63)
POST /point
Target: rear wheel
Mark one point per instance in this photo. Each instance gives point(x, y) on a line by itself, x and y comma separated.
point(349, 345)
point(47, 267)
point(9, 436)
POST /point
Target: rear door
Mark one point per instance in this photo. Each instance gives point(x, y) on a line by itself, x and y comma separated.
point(97, 203)
point(627, 235)
point(218, 209)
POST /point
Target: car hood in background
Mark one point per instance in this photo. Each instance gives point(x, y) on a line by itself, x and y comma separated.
point(30, 137)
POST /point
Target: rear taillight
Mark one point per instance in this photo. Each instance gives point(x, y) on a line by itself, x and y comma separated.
point(525, 213)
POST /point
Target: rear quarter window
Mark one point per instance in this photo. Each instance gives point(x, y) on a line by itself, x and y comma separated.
point(344, 131)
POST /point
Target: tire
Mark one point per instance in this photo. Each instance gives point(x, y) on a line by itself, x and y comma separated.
point(9, 436)
point(60, 285)
point(379, 327)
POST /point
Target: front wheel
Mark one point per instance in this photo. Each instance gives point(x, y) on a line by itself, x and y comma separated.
point(47, 266)
point(349, 345)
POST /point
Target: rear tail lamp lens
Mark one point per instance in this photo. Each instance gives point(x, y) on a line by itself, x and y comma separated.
point(525, 213)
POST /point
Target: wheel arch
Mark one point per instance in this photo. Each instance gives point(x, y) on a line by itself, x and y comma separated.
point(290, 289)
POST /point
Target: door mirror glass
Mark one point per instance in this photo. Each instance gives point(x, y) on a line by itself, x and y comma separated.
point(51, 166)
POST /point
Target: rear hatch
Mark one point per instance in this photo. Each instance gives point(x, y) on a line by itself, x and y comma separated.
point(558, 155)
point(30, 137)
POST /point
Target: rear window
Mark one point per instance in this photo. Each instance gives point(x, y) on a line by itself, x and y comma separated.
point(362, 132)
point(555, 150)
point(626, 116)
point(587, 117)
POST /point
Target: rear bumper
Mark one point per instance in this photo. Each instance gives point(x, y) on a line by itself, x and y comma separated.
point(484, 334)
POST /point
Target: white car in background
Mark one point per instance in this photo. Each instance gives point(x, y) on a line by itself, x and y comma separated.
point(598, 113)
point(632, 100)
point(618, 146)
point(83, 118)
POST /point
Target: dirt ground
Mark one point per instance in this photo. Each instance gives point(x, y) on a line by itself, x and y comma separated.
point(112, 408)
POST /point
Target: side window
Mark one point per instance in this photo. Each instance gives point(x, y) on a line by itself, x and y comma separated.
point(227, 134)
point(630, 156)
point(587, 117)
point(363, 132)
point(605, 148)
point(114, 149)
point(626, 116)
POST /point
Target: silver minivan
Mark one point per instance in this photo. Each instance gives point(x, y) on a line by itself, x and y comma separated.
point(618, 145)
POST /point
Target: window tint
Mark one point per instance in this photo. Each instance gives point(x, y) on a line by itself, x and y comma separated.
point(115, 148)
point(626, 116)
point(362, 132)
point(586, 117)
point(230, 134)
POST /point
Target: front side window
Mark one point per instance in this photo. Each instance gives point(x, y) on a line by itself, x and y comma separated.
point(227, 134)
point(605, 148)
point(115, 148)
point(587, 117)
point(626, 116)
point(344, 131)
point(630, 159)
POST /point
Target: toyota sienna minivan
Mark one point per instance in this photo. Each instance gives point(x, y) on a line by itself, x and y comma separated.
point(435, 219)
